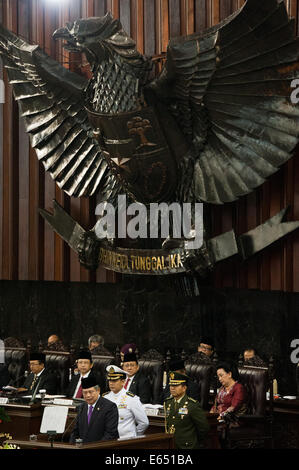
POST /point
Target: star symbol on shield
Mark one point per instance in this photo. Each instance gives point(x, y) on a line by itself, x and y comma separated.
point(120, 161)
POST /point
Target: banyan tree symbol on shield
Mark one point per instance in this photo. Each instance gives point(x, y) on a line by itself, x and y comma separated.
point(139, 126)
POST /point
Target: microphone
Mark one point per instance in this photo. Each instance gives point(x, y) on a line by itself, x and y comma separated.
point(35, 391)
point(74, 419)
point(14, 382)
point(67, 428)
point(10, 389)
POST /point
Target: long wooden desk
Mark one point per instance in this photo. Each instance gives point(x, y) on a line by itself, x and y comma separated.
point(157, 424)
point(26, 420)
point(154, 441)
point(286, 424)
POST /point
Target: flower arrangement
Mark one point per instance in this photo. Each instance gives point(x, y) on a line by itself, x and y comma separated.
point(6, 445)
point(4, 436)
point(3, 416)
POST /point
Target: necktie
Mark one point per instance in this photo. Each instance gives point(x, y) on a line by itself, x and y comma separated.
point(79, 392)
point(89, 413)
point(126, 384)
point(33, 382)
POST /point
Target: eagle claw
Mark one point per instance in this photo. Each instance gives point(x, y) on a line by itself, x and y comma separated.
point(88, 250)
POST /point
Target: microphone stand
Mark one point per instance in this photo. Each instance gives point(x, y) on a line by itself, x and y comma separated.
point(68, 427)
point(32, 401)
point(51, 435)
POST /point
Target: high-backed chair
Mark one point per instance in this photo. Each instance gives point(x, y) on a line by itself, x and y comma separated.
point(256, 426)
point(202, 374)
point(256, 382)
point(151, 364)
point(58, 362)
point(16, 361)
point(101, 362)
point(99, 367)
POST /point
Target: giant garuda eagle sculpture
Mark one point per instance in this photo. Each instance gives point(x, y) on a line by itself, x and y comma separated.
point(214, 124)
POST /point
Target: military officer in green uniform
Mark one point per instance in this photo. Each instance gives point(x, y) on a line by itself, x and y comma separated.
point(183, 415)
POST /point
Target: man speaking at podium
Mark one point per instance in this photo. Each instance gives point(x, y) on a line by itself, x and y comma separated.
point(97, 418)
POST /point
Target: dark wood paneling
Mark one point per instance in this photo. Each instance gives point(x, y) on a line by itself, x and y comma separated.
point(124, 14)
point(200, 15)
point(295, 258)
point(1, 159)
point(233, 318)
point(99, 7)
point(28, 248)
point(149, 28)
point(23, 27)
point(174, 18)
point(10, 166)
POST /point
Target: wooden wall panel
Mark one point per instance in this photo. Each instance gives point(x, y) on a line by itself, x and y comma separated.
point(28, 248)
point(124, 14)
point(149, 28)
point(1, 159)
point(10, 166)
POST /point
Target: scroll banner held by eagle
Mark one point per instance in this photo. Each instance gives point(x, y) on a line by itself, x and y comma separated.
point(211, 127)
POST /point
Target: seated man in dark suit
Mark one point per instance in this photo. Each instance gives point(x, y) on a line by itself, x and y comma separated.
point(205, 351)
point(136, 383)
point(84, 365)
point(251, 358)
point(55, 344)
point(97, 418)
point(96, 346)
point(4, 375)
point(177, 365)
point(39, 378)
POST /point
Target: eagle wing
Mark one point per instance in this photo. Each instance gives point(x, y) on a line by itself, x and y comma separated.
point(229, 90)
point(51, 99)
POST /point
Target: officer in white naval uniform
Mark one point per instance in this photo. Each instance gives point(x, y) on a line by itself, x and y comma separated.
point(132, 420)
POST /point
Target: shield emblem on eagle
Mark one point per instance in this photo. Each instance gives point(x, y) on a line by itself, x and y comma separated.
point(137, 152)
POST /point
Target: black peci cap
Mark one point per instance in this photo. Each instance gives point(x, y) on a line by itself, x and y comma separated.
point(89, 382)
point(84, 355)
point(130, 357)
point(36, 356)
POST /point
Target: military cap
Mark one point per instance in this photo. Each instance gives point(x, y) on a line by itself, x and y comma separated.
point(89, 382)
point(128, 348)
point(36, 356)
point(84, 355)
point(115, 373)
point(130, 358)
point(175, 378)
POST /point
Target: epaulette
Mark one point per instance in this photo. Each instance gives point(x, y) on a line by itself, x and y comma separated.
point(106, 393)
point(192, 399)
point(169, 398)
point(130, 394)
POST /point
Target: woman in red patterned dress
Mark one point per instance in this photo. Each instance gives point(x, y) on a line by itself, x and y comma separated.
point(231, 397)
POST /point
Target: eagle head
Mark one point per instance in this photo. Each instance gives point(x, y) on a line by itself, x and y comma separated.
point(98, 38)
point(113, 57)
